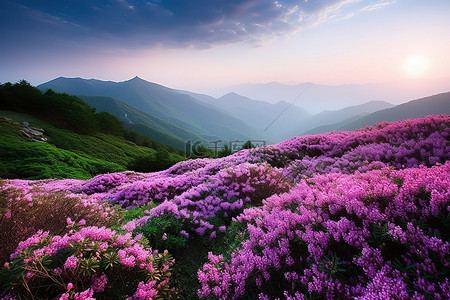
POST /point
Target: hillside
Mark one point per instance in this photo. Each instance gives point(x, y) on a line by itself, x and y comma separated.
point(79, 143)
point(336, 116)
point(360, 214)
point(146, 124)
point(161, 102)
point(437, 104)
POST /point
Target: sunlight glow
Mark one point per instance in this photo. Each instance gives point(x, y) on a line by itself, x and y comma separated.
point(416, 65)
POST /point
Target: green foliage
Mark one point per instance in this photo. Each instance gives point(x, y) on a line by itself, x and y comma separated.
point(163, 232)
point(109, 124)
point(161, 160)
point(137, 212)
point(192, 257)
point(224, 152)
point(95, 142)
point(248, 145)
point(47, 276)
point(201, 151)
point(33, 160)
point(59, 109)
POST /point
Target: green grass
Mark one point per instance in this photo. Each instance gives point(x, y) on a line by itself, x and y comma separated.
point(66, 155)
point(36, 160)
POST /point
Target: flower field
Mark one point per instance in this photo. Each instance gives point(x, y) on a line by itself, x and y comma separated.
point(341, 215)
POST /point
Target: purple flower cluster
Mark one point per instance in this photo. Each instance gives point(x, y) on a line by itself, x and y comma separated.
point(224, 194)
point(358, 236)
point(360, 214)
point(93, 257)
point(104, 182)
point(409, 143)
point(156, 189)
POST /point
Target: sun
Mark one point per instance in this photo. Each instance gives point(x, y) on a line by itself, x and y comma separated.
point(416, 65)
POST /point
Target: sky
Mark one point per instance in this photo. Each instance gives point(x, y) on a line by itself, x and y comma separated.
point(200, 45)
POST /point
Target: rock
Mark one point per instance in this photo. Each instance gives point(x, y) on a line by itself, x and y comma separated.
point(39, 140)
point(33, 135)
point(38, 129)
point(33, 132)
point(25, 133)
point(5, 119)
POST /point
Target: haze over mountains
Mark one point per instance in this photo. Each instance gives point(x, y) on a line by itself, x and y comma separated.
point(437, 104)
point(173, 116)
point(317, 97)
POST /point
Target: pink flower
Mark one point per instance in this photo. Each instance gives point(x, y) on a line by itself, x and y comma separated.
point(71, 262)
point(145, 291)
point(99, 283)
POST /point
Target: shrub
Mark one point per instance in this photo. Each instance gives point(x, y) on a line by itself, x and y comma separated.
point(380, 234)
point(23, 214)
point(86, 263)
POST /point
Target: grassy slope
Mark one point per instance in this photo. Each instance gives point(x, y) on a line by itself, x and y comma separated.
point(66, 155)
point(146, 124)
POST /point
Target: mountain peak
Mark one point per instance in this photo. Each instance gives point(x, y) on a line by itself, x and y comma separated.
point(136, 79)
point(232, 94)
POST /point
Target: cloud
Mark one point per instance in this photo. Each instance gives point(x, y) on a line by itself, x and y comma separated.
point(377, 5)
point(170, 23)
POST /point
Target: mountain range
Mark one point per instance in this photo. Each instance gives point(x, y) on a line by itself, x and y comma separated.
point(433, 105)
point(318, 97)
point(175, 116)
point(161, 102)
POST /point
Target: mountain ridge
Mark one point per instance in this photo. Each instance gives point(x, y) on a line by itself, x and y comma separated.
point(162, 102)
point(417, 108)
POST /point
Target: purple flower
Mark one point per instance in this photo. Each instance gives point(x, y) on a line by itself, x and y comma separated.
point(71, 262)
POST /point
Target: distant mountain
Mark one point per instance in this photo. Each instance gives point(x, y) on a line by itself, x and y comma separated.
point(274, 120)
point(146, 124)
point(282, 120)
point(161, 102)
point(351, 113)
point(315, 98)
point(198, 96)
point(433, 105)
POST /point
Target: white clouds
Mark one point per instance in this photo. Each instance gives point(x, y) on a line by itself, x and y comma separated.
point(377, 5)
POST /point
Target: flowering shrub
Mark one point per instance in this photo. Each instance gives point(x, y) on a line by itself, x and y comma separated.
point(360, 214)
point(204, 208)
point(104, 182)
point(408, 143)
point(155, 189)
point(23, 214)
point(380, 234)
point(87, 263)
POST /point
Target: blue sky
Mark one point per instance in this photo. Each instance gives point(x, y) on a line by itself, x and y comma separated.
point(199, 44)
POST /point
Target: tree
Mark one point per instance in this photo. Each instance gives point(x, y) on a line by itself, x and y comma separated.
point(248, 145)
point(224, 152)
point(152, 163)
